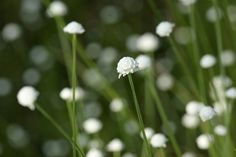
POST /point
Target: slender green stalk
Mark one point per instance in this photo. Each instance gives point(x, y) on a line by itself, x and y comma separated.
point(140, 119)
point(165, 120)
point(59, 128)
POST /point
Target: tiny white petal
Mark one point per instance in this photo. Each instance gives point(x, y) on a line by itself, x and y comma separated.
point(164, 29)
point(74, 28)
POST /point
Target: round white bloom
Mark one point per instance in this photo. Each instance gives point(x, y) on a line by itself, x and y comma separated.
point(190, 121)
point(158, 141)
point(74, 28)
point(27, 96)
point(221, 81)
point(11, 32)
point(213, 14)
point(67, 94)
point(165, 81)
point(126, 65)
point(128, 155)
point(189, 154)
point(116, 105)
point(207, 113)
point(188, 2)
point(227, 57)
point(92, 125)
point(116, 145)
point(231, 93)
point(193, 107)
point(203, 141)
point(94, 153)
point(207, 61)
point(164, 29)
point(149, 132)
point(220, 130)
point(147, 43)
point(57, 8)
point(144, 62)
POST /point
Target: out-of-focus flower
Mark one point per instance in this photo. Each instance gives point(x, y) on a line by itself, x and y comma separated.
point(207, 61)
point(227, 58)
point(56, 148)
point(144, 62)
point(94, 153)
point(207, 113)
point(67, 94)
point(128, 155)
point(158, 140)
point(183, 35)
point(213, 14)
point(27, 96)
point(92, 125)
point(193, 107)
point(164, 29)
point(220, 108)
point(31, 76)
point(220, 130)
point(116, 105)
point(188, 2)
point(189, 154)
point(203, 141)
point(126, 65)
point(110, 14)
point(149, 132)
point(165, 81)
point(11, 32)
point(231, 93)
point(57, 8)
point(115, 145)
point(74, 28)
point(190, 121)
point(147, 43)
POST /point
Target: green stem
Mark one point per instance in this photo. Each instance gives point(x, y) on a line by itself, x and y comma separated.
point(140, 119)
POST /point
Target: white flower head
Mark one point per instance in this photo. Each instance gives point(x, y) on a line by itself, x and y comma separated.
point(144, 62)
point(207, 113)
point(94, 153)
point(116, 105)
point(92, 125)
point(147, 42)
point(231, 93)
point(128, 155)
point(57, 8)
point(189, 154)
point(149, 132)
point(220, 130)
point(74, 28)
point(165, 81)
point(214, 14)
point(203, 141)
point(164, 29)
point(158, 140)
point(227, 58)
point(188, 2)
point(190, 121)
point(207, 61)
point(115, 145)
point(27, 96)
point(67, 93)
point(11, 32)
point(193, 107)
point(126, 65)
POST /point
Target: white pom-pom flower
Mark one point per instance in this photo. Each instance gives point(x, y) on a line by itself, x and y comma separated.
point(165, 81)
point(231, 93)
point(227, 58)
point(207, 113)
point(144, 62)
point(188, 2)
point(193, 107)
point(207, 61)
point(57, 8)
point(149, 132)
point(74, 28)
point(115, 145)
point(220, 130)
point(147, 43)
point(203, 141)
point(92, 125)
point(190, 121)
point(158, 141)
point(27, 96)
point(94, 153)
point(127, 65)
point(189, 154)
point(116, 105)
point(67, 93)
point(164, 29)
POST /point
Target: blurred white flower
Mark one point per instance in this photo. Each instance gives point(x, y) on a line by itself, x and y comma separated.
point(27, 96)
point(203, 141)
point(149, 132)
point(207, 113)
point(128, 155)
point(11, 32)
point(56, 148)
point(67, 94)
point(183, 35)
point(220, 130)
point(144, 61)
point(95, 143)
point(116, 105)
point(94, 153)
point(147, 43)
point(189, 154)
point(231, 93)
point(164, 29)
point(213, 14)
point(126, 65)
point(110, 14)
point(190, 121)
point(5, 86)
point(227, 58)
point(74, 28)
point(193, 107)
point(131, 42)
point(158, 140)
point(57, 8)
point(165, 81)
point(207, 61)
point(116, 145)
point(92, 125)
point(188, 2)
point(31, 76)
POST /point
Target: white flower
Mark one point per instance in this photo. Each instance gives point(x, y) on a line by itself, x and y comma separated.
point(57, 8)
point(190, 121)
point(11, 32)
point(193, 107)
point(27, 96)
point(227, 57)
point(116, 105)
point(203, 141)
point(158, 140)
point(116, 145)
point(92, 125)
point(165, 81)
point(67, 93)
point(188, 2)
point(220, 130)
point(126, 65)
point(164, 29)
point(74, 28)
point(231, 93)
point(128, 155)
point(94, 153)
point(207, 113)
point(207, 61)
point(148, 132)
point(144, 62)
point(147, 43)
point(189, 154)
point(213, 14)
